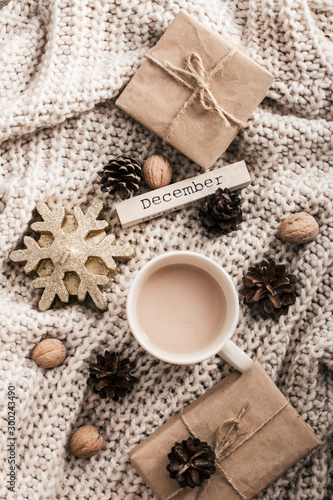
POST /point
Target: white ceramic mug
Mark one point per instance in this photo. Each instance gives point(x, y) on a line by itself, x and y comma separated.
point(222, 345)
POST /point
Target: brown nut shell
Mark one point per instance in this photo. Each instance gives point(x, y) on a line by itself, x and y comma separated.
point(298, 228)
point(157, 171)
point(49, 353)
point(86, 442)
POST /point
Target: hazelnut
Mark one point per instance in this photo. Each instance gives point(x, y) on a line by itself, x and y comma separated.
point(298, 228)
point(157, 171)
point(86, 441)
point(49, 353)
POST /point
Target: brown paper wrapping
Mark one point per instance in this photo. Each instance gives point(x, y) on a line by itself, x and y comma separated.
point(154, 98)
point(278, 445)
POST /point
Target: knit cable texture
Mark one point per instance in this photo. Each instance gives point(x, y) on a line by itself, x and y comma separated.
point(63, 62)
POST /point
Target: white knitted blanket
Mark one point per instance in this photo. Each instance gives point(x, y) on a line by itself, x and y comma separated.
point(63, 62)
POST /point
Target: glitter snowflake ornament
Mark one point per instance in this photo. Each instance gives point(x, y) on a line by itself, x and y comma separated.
point(73, 255)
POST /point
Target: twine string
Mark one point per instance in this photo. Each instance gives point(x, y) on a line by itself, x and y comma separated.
point(225, 441)
point(196, 73)
point(251, 434)
point(225, 444)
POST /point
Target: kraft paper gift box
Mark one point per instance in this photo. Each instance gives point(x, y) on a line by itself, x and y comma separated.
point(271, 438)
point(198, 112)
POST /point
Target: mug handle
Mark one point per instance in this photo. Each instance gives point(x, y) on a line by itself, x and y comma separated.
point(236, 357)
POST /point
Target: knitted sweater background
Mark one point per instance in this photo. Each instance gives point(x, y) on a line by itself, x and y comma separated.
point(63, 62)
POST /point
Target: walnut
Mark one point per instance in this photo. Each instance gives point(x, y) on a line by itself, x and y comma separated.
point(157, 171)
point(86, 441)
point(298, 228)
point(49, 353)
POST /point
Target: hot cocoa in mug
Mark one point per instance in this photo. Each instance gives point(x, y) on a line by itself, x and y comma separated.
point(183, 308)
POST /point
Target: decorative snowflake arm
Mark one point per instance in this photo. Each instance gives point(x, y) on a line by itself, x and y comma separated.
point(108, 250)
point(53, 287)
point(88, 222)
point(90, 286)
point(52, 220)
point(32, 255)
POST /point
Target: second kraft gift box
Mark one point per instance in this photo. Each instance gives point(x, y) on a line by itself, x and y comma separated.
point(268, 437)
point(195, 90)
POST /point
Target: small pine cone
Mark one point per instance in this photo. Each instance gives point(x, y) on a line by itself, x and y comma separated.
point(121, 176)
point(191, 462)
point(221, 213)
point(269, 289)
point(110, 376)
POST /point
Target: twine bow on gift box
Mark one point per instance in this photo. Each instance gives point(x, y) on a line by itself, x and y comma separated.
point(196, 73)
point(225, 443)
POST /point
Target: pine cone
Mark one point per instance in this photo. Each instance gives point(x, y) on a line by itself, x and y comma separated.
point(221, 213)
point(111, 377)
point(191, 462)
point(121, 176)
point(269, 289)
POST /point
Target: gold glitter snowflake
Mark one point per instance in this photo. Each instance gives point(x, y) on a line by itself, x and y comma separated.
point(73, 255)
